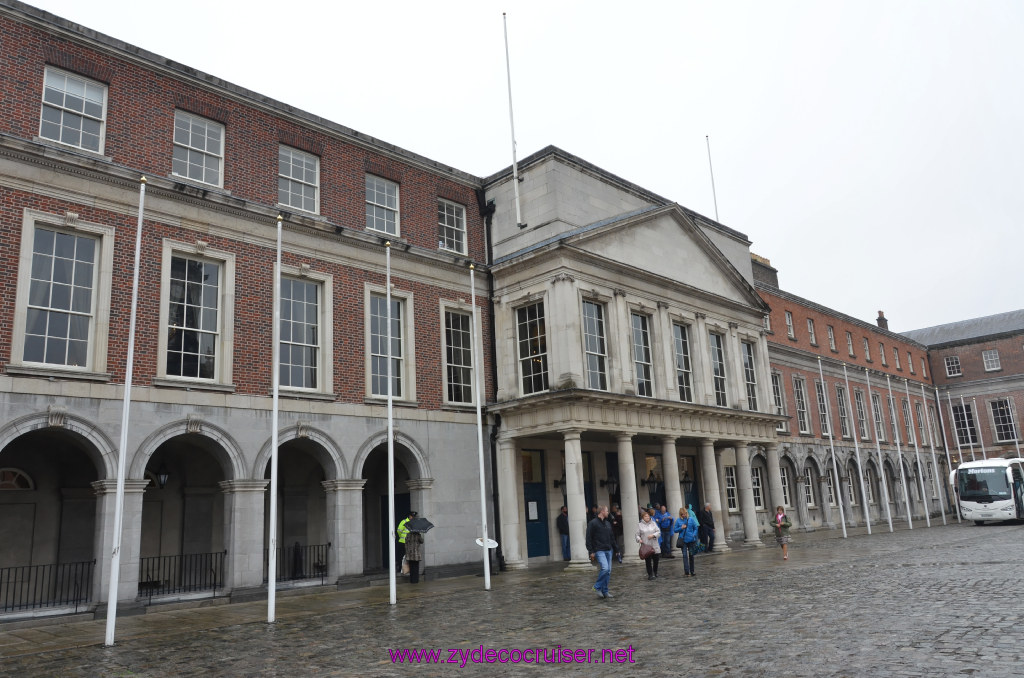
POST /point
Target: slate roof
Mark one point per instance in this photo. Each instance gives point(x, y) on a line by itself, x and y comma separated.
point(975, 328)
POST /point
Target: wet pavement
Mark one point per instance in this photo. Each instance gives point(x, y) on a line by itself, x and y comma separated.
point(939, 601)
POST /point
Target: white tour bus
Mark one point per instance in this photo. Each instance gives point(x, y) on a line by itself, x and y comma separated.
point(990, 490)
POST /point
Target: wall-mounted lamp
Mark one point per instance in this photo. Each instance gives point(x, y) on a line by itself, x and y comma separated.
point(612, 483)
point(161, 476)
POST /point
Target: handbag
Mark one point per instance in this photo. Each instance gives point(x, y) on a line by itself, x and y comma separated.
point(680, 544)
point(646, 551)
point(405, 566)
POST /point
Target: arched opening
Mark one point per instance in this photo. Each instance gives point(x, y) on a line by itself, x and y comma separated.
point(375, 502)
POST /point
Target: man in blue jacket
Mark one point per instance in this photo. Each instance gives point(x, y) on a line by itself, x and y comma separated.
point(663, 519)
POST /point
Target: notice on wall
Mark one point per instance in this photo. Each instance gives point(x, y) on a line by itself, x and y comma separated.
point(531, 510)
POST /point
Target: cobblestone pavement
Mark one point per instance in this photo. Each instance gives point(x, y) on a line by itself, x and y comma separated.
point(942, 601)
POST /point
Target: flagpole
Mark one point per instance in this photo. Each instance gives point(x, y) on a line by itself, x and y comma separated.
point(970, 438)
point(477, 368)
point(512, 126)
point(945, 444)
point(115, 554)
point(917, 456)
point(935, 461)
point(276, 380)
point(714, 195)
point(832, 447)
point(977, 423)
point(899, 454)
point(391, 439)
point(878, 449)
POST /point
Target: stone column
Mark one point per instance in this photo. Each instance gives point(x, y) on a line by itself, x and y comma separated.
point(627, 369)
point(420, 500)
point(712, 492)
point(826, 505)
point(704, 386)
point(243, 527)
point(565, 357)
point(131, 539)
point(723, 496)
point(575, 499)
point(670, 465)
point(627, 482)
point(746, 496)
point(774, 475)
point(509, 491)
point(345, 526)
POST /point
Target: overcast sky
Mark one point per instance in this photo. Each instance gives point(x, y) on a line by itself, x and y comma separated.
point(872, 150)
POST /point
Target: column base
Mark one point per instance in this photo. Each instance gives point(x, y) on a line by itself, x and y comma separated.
point(719, 548)
point(516, 564)
point(579, 565)
point(756, 543)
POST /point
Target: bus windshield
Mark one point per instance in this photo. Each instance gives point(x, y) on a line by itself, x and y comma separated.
point(983, 484)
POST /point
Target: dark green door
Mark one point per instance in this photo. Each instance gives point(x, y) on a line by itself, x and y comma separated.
point(535, 501)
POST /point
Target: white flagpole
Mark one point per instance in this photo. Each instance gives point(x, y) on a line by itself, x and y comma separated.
point(917, 455)
point(115, 555)
point(715, 195)
point(391, 441)
point(878, 449)
point(899, 454)
point(512, 126)
point(856, 447)
point(276, 367)
point(832, 447)
point(970, 438)
point(945, 444)
point(479, 396)
point(977, 423)
point(935, 461)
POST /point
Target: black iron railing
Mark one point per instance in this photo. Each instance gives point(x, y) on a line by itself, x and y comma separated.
point(29, 587)
point(188, 573)
point(299, 562)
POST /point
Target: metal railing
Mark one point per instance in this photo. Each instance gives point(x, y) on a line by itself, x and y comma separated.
point(299, 562)
point(188, 573)
point(28, 587)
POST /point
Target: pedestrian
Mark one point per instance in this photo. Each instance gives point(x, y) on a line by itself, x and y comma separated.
point(413, 555)
point(562, 523)
point(782, 526)
point(707, 527)
point(402, 533)
point(664, 520)
point(600, 542)
point(648, 533)
point(618, 530)
point(686, 527)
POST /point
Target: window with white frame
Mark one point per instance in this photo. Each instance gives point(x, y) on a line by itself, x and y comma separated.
point(867, 349)
point(934, 419)
point(849, 344)
point(458, 356)
point(862, 416)
point(1002, 420)
point(74, 110)
point(881, 353)
point(594, 347)
point(730, 488)
point(876, 406)
point(800, 392)
point(15, 479)
point(831, 337)
point(869, 487)
point(953, 366)
point(830, 483)
point(910, 362)
point(808, 488)
point(379, 346)
point(924, 368)
point(300, 334)
point(757, 486)
point(851, 491)
point(767, 323)
point(642, 355)
point(684, 376)
point(533, 347)
point(810, 332)
point(844, 421)
point(451, 226)
point(963, 423)
point(991, 360)
point(786, 494)
point(819, 390)
point(920, 422)
point(298, 179)
point(892, 419)
point(198, 149)
point(790, 332)
point(717, 348)
point(750, 375)
point(381, 205)
point(896, 358)
point(780, 403)
point(908, 422)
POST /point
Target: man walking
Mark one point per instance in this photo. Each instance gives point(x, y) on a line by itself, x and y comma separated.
point(707, 527)
point(600, 544)
point(562, 523)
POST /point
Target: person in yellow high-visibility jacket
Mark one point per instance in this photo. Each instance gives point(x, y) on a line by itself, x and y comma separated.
point(402, 532)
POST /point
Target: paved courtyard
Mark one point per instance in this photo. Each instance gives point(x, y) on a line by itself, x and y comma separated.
point(939, 601)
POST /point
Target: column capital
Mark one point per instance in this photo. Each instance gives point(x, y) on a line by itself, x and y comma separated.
point(108, 486)
point(419, 483)
point(571, 433)
point(624, 436)
point(343, 484)
point(244, 485)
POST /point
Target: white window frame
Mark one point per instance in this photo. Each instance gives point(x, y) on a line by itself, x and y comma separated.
point(750, 374)
point(908, 421)
point(1003, 420)
point(407, 363)
point(844, 421)
point(876, 411)
point(831, 485)
point(896, 357)
point(924, 368)
point(786, 494)
point(867, 349)
point(910, 362)
point(869, 488)
point(803, 419)
point(779, 396)
point(521, 359)
point(716, 349)
point(965, 426)
point(466, 310)
point(325, 316)
point(684, 366)
point(810, 333)
point(790, 332)
point(893, 425)
point(595, 345)
point(862, 414)
point(990, 358)
point(451, 226)
point(831, 337)
point(953, 368)
point(851, 489)
point(808, 488)
point(66, 112)
point(881, 352)
point(377, 212)
point(730, 488)
point(849, 344)
point(767, 323)
point(821, 396)
point(103, 266)
point(922, 435)
point(226, 308)
point(298, 160)
point(643, 353)
point(205, 152)
point(757, 485)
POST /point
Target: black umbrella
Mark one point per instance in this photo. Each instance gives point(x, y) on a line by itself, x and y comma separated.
point(419, 525)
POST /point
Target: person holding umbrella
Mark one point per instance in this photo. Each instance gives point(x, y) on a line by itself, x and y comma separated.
point(417, 527)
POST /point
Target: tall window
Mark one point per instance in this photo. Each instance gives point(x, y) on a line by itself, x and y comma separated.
point(74, 110)
point(750, 375)
point(991, 360)
point(924, 368)
point(780, 407)
point(808, 488)
point(963, 423)
point(908, 422)
point(789, 325)
point(381, 205)
point(831, 337)
point(953, 366)
point(862, 416)
point(849, 344)
point(594, 345)
point(831, 485)
point(300, 333)
point(1002, 419)
point(896, 357)
point(758, 487)
point(881, 354)
point(718, 368)
point(876, 406)
point(60, 314)
point(451, 226)
point(851, 491)
point(802, 420)
point(681, 339)
point(642, 355)
point(934, 419)
point(826, 428)
point(458, 343)
point(379, 345)
point(910, 362)
point(869, 487)
point(810, 332)
point(920, 422)
point(784, 476)
point(844, 422)
point(767, 323)
point(533, 348)
point(193, 318)
point(298, 178)
point(867, 349)
point(892, 419)
point(198, 148)
point(730, 487)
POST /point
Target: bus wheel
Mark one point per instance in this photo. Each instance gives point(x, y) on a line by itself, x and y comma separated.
point(979, 522)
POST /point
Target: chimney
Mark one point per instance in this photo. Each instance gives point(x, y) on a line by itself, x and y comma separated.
point(882, 322)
